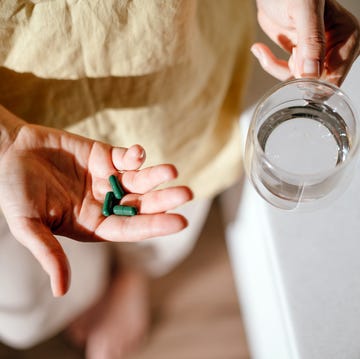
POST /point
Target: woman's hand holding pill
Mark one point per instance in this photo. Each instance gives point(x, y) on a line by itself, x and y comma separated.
point(321, 37)
point(54, 182)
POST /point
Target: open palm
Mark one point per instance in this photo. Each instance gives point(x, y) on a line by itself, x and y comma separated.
point(53, 182)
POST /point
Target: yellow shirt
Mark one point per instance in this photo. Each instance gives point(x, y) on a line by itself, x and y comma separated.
point(167, 74)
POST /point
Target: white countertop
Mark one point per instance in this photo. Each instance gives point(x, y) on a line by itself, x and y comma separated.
point(298, 274)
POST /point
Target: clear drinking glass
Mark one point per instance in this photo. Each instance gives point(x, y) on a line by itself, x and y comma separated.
point(301, 144)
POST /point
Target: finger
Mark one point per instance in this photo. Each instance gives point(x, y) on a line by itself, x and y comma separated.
point(159, 201)
point(105, 160)
point(148, 178)
point(128, 159)
point(138, 182)
point(270, 63)
point(48, 252)
point(139, 227)
point(310, 28)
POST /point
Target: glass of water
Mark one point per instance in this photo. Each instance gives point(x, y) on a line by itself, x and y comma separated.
point(301, 144)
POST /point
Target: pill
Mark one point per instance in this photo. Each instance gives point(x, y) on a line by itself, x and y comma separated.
point(124, 210)
point(109, 203)
point(116, 187)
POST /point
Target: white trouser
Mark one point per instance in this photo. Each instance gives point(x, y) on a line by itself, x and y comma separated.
point(30, 314)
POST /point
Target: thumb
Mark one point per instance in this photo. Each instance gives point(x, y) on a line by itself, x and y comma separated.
point(310, 28)
point(47, 250)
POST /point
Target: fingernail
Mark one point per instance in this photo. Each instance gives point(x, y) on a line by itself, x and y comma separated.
point(142, 154)
point(54, 288)
point(295, 70)
point(255, 51)
point(311, 68)
point(259, 55)
point(137, 152)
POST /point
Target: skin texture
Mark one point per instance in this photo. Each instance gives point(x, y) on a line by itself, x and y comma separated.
point(53, 182)
point(321, 38)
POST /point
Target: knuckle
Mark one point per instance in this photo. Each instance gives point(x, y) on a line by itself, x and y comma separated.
point(314, 44)
point(316, 38)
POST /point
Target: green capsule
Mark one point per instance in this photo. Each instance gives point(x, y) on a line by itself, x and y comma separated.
point(124, 210)
point(109, 203)
point(116, 187)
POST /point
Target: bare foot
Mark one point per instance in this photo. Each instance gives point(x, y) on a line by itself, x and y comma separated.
point(116, 325)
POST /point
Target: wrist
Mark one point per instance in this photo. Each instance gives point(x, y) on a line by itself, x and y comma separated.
point(9, 128)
